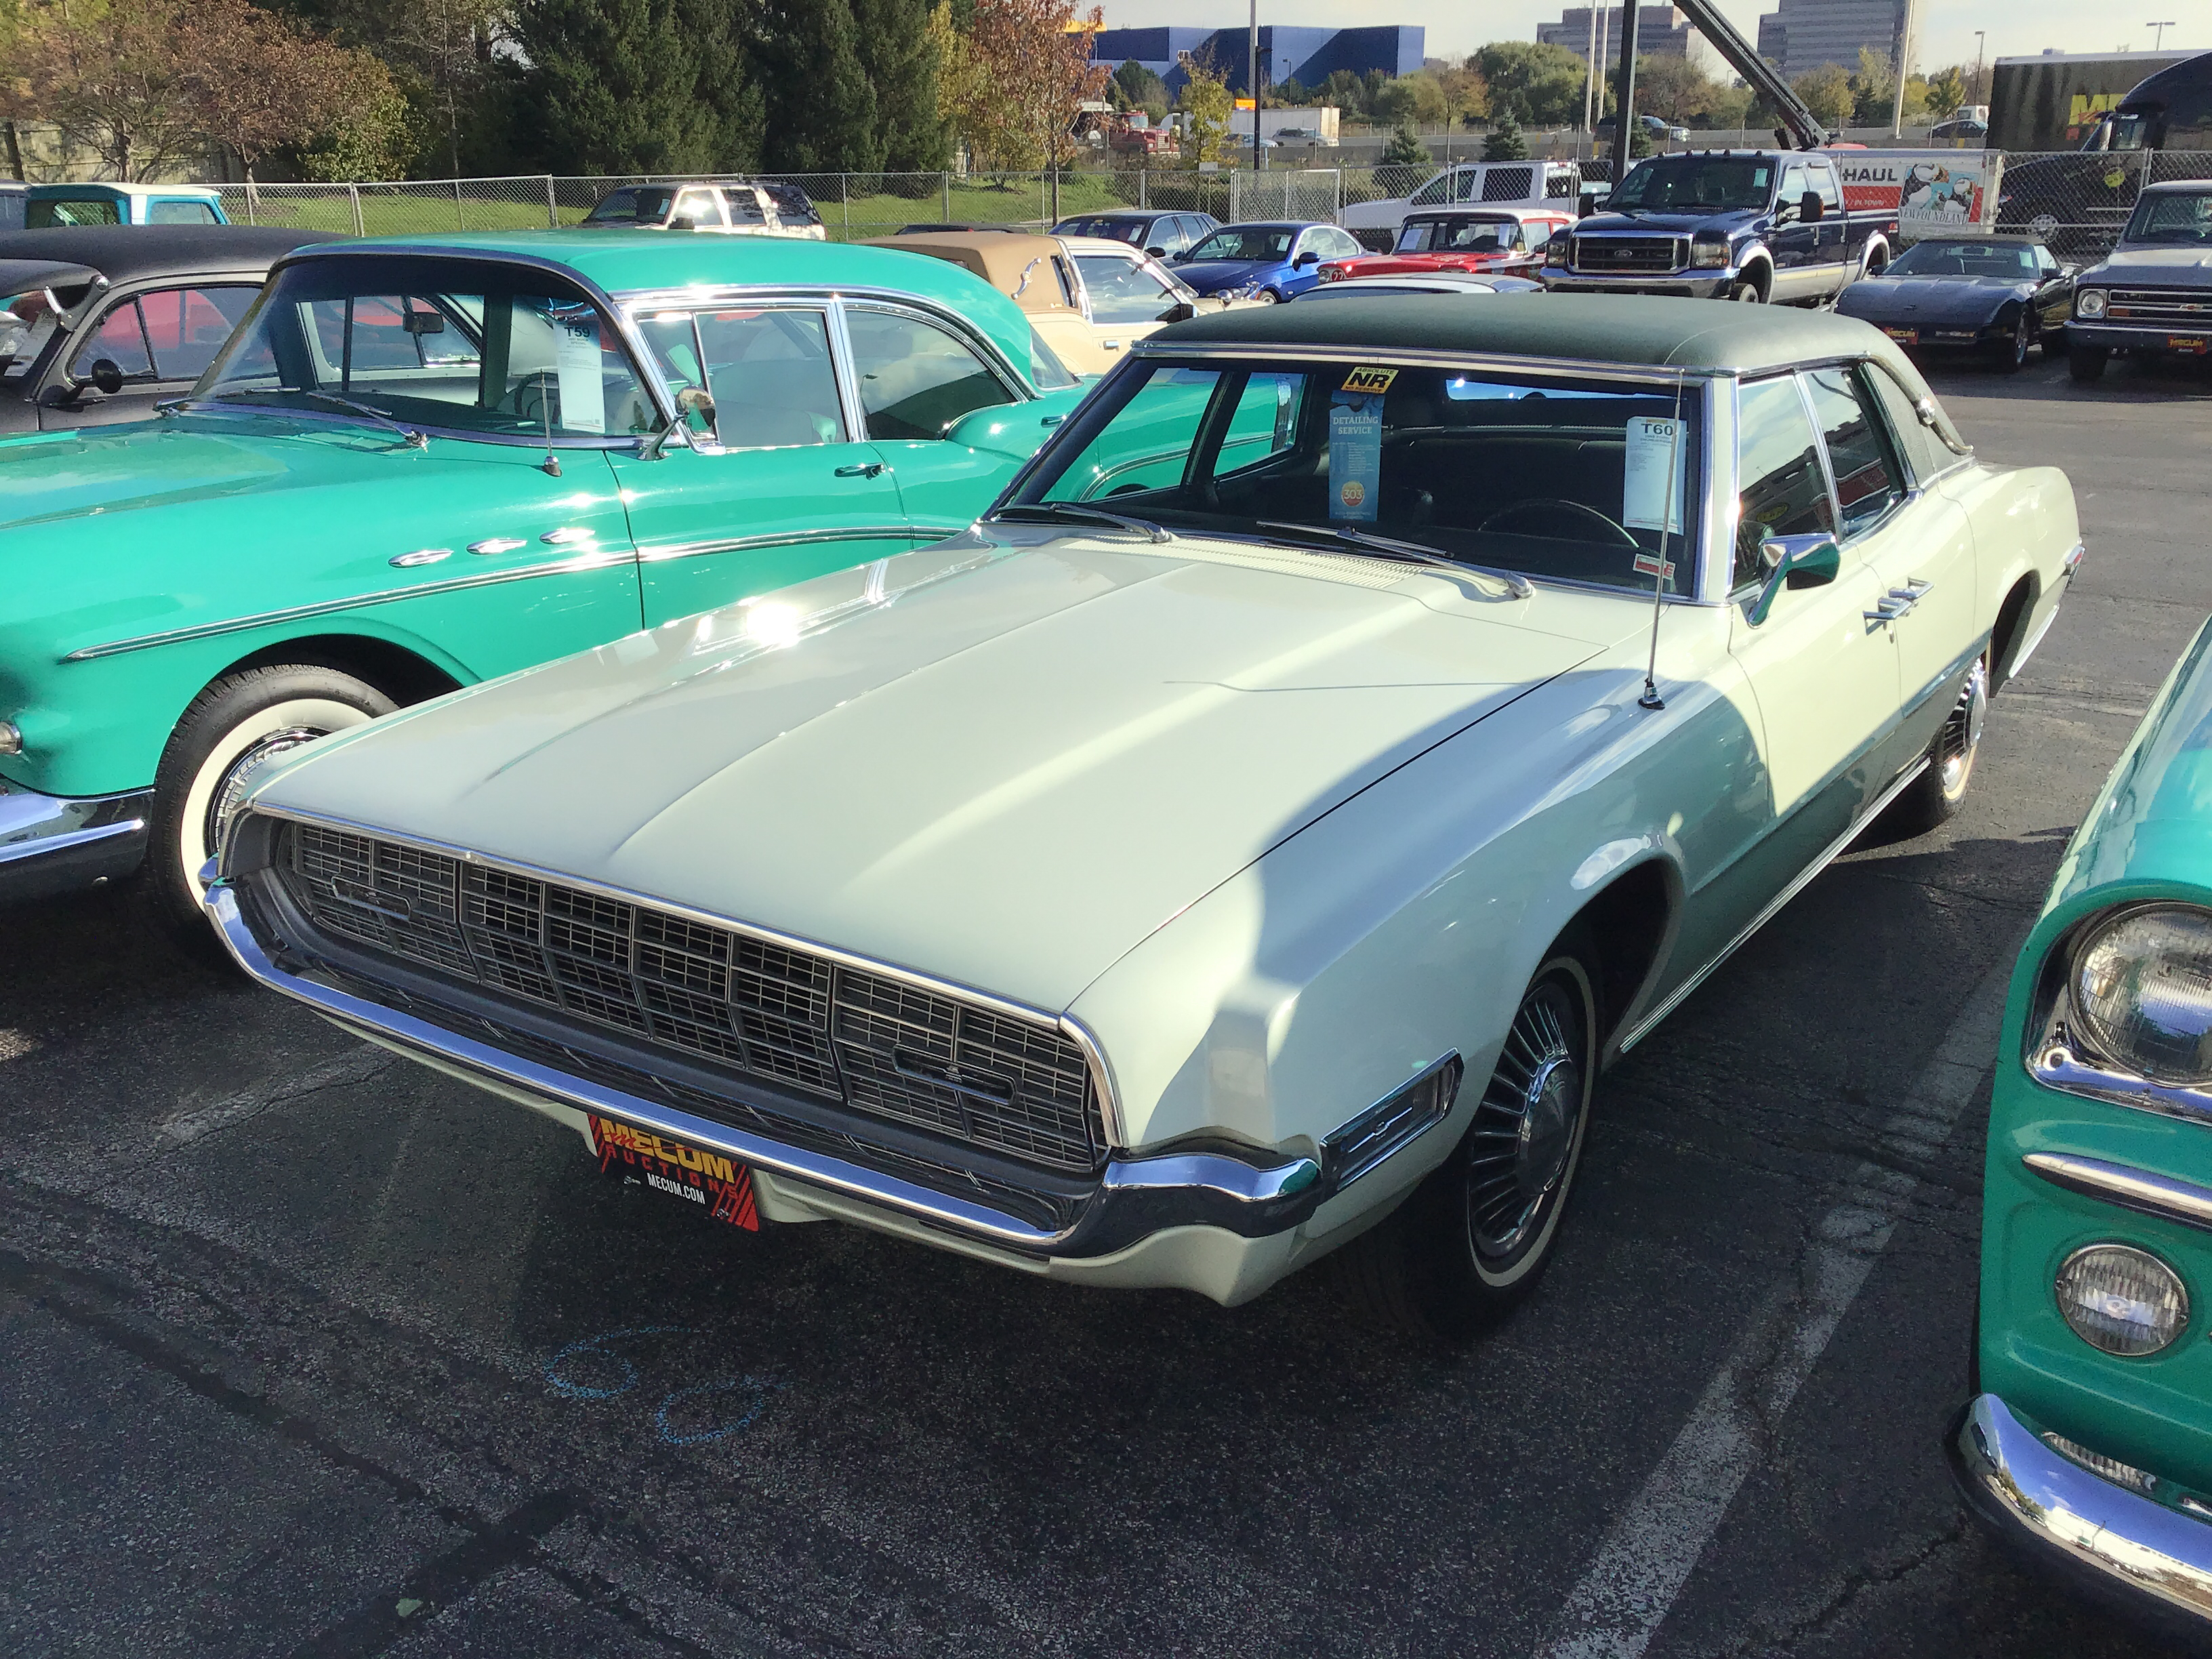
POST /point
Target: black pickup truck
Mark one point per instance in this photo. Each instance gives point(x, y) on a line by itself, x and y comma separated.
point(1752, 225)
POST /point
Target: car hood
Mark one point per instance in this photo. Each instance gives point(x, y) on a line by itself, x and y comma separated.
point(1209, 274)
point(2170, 267)
point(1928, 299)
point(1678, 224)
point(1001, 764)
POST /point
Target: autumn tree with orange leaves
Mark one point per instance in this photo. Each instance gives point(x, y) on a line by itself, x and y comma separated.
point(1022, 73)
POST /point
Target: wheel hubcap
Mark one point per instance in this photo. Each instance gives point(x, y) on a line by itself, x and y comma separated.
point(1523, 1136)
point(1961, 736)
point(222, 804)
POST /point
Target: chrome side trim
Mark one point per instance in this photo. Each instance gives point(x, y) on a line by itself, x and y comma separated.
point(2055, 1067)
point(1674, 999)
point(870, 532)
point(2071, 563)
point(1579, 368)
point(2182, 1201)
point(2039, 1501)
point(592, 560)
point(1136, 1196)
point(1108, 1104)
point(33, 824)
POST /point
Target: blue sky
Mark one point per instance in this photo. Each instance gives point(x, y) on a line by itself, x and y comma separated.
point(2020, 29)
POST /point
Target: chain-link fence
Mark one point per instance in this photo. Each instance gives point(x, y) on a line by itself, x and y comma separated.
point(2077, 201)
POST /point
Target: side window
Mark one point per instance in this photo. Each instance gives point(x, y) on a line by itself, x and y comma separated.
point(180, 213)
point(1824, 180)
point(1121, 290)
point(1926, 453)
point(916, 379)
point(120, 339)
point(187, 326)
point(744, 205)
point(1867, 483)
point(2046, 262)
point(1434, 191)
point(1264, 423)
point(768, 372)
point(1793, 184)
point(1785, 492)
point(703, 208)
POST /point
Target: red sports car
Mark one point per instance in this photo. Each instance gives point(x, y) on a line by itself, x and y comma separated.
point(1488, 241)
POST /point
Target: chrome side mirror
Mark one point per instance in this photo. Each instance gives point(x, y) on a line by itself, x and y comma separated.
point(1807, 561)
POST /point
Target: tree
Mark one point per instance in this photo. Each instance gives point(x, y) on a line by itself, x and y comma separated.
point(1946, 91)
point(440, 58)
point(1028, 76)
point(1345, 90)
point(1405, 151)
point(1206, 108)
point(113, 82)
point(1675, 88)
point(263, 85)
point(1465, 94)
point(638, 86)
point(1506, 142)
point(1140, 88)
point(1537, 81)
point(375, 139)
point(899, 61)
point(822, 114)
point(1826, 91)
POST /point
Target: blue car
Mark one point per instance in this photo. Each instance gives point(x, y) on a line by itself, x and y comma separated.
point(1271, 261)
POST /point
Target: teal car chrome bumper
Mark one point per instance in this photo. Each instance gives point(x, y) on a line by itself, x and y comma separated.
point(2154, 1559)
point(53, 844)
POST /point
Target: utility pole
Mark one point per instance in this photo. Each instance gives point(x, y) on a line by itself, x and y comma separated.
point(2158, 41)
point(1979, 36)
point(1590, 74)
point(1252, 44)
point(1625, 118)
point(1904, 66)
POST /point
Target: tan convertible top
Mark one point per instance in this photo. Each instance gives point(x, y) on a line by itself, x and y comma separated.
point(1000, 258)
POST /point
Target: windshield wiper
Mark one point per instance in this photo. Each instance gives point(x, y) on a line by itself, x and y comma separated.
point(1412, 552)
point(1144, 527)
point(414, 440)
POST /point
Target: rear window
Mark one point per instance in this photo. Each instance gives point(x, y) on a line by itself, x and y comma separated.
point(647, 204)
point(71, 210)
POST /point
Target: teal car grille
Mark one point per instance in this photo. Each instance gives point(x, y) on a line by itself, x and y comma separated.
point(714, 996)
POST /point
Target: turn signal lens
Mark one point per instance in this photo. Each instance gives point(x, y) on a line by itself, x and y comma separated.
point(11, 740)
point(2121, 1301)
point(2109, 1468)
point(2089, 302)
point(2141, 991)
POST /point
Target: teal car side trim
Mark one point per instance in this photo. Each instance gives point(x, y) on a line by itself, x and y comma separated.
point(866, 533)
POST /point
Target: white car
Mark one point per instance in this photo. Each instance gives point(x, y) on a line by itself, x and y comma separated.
point(1252, 839)
point(1470, 184)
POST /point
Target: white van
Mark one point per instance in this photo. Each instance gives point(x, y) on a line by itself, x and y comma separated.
point(1503, 183)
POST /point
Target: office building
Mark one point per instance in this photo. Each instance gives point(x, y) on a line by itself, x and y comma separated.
point(1807, 33)
point(1308, 56)
point(1660, 31)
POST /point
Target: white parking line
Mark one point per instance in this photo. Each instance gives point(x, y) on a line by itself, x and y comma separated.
point(1651, 1549)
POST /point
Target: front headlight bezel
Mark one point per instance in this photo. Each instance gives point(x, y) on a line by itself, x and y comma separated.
point(2061, 1053)
point(1709, 252)
point(2109, 1335)
point(2089, 302)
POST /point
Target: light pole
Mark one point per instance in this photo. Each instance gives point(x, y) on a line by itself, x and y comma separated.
point(1904, 65)
point(1978, 34)
point(1252, 45)
point(1624, 116)
point(2159, 39)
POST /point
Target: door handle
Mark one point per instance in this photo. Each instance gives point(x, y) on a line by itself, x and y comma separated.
point(1899, 600)
point(860, 469)
point(497, 545)
point(420, 556)
point(568, 535)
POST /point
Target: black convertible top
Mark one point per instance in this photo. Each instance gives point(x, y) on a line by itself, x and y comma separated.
point(124, 253)
point(26, 275)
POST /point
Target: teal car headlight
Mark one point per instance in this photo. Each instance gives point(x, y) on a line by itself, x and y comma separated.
point(2089, 302)
point(2141, 989)
point(2121, 1300)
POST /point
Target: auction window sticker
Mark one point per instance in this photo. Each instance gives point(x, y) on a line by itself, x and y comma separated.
point(1355, 444)
point(1655, 483)
point(576, 367)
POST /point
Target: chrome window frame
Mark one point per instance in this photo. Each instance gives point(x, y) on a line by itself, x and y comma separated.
point(1738, 592)
point(712, 444)
point(1707, 381)
point(1906, 496)
point(993, 363)
point(143, 286)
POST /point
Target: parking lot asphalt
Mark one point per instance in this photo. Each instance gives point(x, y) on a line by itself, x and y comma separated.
point(306, 1350)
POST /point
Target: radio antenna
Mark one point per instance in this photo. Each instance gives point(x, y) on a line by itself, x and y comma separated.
point(1651, 699)
point(551, 465)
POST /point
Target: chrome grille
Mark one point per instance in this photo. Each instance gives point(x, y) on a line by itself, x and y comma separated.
point(1634, 254)
point(719, 997)
point(2180, 308)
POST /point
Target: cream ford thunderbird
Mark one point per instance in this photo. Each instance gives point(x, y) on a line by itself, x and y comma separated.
point(1358, 725)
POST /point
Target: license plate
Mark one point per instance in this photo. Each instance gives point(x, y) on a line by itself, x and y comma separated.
point(2196, 342)
point(719, 1188)
point(1904, 335)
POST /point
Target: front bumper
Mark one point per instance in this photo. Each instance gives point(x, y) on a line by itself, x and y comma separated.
point(2113, 1543)
point(2131, 337)
point(53, 844)
point(1237, 1194)
point(1681, 284)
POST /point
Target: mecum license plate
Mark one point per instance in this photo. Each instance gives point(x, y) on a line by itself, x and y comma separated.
point(1904, 335)
point(2196, 342)
point(719, 1188)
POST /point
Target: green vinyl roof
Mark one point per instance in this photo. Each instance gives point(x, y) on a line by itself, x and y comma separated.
point(1636, 330)
point(629, 261)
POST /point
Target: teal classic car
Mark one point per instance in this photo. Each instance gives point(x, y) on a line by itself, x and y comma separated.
point(2088, 1443)
point(425, 462)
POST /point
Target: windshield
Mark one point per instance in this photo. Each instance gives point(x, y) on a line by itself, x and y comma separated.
point(1247, 242)
point(472, 346)
point(2180, 219)
point(1518, 471)
point(1120, 230)
point(2119, 132)
point(1682, 184)
point(1965, 259)
point(645, 206)
point(1456, 235)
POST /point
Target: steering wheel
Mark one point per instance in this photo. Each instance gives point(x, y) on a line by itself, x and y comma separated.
point(1548, 508)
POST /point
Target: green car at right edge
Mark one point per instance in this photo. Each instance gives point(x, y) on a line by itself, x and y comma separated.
point(2088, 1445)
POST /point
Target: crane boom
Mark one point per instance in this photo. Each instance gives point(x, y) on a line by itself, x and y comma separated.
point(1758, 74)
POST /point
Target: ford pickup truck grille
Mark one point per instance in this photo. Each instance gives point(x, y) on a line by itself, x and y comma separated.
point(720, 999)
point(1634, 255)
point(2161, 307)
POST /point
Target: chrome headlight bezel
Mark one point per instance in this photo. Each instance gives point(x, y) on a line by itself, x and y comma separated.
point(2117, 1031)
point(1709, 252)
point(2140, 1310)
point(2089, 302)
point(2062, 1050)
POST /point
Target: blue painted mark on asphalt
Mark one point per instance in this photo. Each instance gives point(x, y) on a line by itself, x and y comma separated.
point(760, 1391)
point(600, 1349)
point(596, 1344)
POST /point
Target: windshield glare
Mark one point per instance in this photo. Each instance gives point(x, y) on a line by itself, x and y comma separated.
point(471, 346)
point(1456, 236)
point(1518, 471)
point(2179, 219)
point(1683, 183)
point(1964, 258)
point(1248, 242)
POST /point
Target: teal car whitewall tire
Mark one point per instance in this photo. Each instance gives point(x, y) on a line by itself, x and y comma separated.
point(228, 738)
